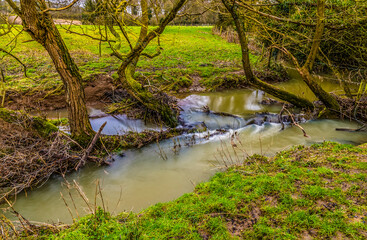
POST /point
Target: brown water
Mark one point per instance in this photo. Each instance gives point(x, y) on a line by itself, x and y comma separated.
point(141, 177)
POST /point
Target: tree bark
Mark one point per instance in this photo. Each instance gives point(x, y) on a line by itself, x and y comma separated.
point(40, 27)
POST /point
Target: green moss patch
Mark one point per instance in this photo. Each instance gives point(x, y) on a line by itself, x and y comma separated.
point(40, 125)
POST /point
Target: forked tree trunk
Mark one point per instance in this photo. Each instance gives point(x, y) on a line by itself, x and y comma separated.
point(143, 33)
point(41, 28)
point(127, 69)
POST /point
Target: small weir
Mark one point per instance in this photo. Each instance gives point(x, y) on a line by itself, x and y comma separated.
point(158, 173)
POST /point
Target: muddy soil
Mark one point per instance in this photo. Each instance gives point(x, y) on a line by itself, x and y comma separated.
point(97, 92)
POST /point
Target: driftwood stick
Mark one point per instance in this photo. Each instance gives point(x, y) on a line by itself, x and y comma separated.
point(360, 129)
point(90, 148)
point(296, 124)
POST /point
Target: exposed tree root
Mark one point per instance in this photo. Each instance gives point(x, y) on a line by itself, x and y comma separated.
point(138, 140)
point(155, 102)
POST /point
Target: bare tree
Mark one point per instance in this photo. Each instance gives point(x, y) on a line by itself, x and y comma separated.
point(111, 12)
point(127, 68)
point(38, 23)
point(250, 77)
point(327, 99)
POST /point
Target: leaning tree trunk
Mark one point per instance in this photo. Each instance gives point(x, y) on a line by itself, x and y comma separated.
point(250, 77)
point(127, 69)
point(41, 28)
point(327, 99)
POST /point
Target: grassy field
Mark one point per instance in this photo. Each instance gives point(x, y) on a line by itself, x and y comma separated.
point(308, 192)
point(188, 52)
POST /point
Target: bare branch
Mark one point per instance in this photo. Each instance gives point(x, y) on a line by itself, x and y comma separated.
point(153, 55)
point(193, 14)
point(87, 35)
point(17, 59)
point(295, 123)
point(14, 7)
point(250, 8)
point(60, 9)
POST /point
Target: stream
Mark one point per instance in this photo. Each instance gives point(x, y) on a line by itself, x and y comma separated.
point(158, 173)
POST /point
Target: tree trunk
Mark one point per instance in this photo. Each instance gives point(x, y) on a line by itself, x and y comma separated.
point(250, 77)
point(41, 27)
point(127, 69)
point(327, 99)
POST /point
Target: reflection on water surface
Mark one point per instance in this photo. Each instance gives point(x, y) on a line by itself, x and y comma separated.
point(141, 177)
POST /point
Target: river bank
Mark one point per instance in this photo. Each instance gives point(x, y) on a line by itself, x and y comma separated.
point(163, 171)
point(32, 149)
point(303, 193)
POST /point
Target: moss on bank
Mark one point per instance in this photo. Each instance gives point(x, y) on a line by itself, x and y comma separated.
point(42, 126)
point(131, 140)
point(307, 192)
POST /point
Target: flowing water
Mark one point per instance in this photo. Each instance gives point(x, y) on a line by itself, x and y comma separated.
point(142, 177)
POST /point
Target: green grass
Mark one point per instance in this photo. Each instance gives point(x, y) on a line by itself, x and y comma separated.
point(188, 51)
point(297, 194)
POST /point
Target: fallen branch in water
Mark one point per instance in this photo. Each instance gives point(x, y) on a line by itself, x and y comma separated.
point(90, 148)
point(23, 227)
point(293, 121)
point(280, 118)
point(361, 129)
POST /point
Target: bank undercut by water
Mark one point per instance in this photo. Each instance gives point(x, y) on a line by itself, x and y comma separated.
point(306, 192)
